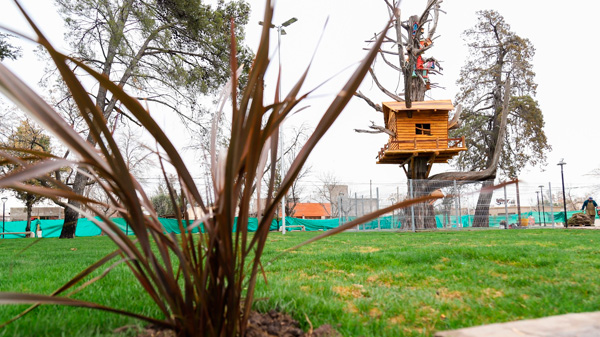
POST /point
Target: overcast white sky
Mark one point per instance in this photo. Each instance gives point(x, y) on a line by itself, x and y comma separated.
point(556, 29)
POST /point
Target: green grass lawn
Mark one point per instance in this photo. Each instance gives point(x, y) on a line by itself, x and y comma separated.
point(364, 284)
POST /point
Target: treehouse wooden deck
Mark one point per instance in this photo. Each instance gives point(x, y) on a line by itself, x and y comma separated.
point(421, 131)
point(389, 155)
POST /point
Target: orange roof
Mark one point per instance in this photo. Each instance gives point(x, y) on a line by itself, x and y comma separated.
point(312, 209)
point(445, 104)
point(442, 105)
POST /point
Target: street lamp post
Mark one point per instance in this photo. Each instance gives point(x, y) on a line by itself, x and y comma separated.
point(562, 177)
point(537, 194)
point(3, 209)
point(281, 31)
point(543, 209)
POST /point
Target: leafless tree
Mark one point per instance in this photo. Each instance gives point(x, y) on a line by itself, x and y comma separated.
point(295, 138)
point(331, 191)
point(138, 158)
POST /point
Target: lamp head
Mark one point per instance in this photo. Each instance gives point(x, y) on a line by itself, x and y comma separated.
point(561, 162)
point(4, 199)
point(289, 22)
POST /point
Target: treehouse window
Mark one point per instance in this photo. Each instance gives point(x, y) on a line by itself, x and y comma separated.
point(423, 129)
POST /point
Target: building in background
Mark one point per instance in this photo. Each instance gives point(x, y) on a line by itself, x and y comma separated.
point(42, 213)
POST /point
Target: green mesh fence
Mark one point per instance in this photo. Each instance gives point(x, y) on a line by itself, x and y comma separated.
point(86, 227)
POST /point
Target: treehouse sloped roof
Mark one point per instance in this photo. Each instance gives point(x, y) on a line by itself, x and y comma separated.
point(441, 105)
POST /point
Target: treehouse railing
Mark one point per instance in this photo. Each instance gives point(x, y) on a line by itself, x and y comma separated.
point(396, 144)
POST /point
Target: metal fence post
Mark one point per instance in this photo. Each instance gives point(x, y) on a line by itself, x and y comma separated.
point(356, 209)
point(340, 210)
point(398, 200)
point(551, 202)
point(412, 207)
point(377, 208)
point(458, 223)
point(362, 202)
point(505, 208)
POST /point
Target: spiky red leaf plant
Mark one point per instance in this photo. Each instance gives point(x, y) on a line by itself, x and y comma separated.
point(202, 283)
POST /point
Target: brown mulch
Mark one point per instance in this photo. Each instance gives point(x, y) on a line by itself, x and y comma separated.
point(270, 324)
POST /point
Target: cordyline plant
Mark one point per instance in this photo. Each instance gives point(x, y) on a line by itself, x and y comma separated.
point(202, 283)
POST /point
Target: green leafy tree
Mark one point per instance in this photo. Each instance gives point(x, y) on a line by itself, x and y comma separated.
point(497, 56)
point(162, 204)
point(8, 51)
point(161, 200)
point(27, 137)
point(168, 52)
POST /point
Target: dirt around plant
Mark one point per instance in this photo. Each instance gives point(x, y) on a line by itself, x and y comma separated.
point(270, 324)
point(276, 324)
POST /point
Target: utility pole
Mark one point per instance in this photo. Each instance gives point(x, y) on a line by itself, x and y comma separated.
point(543, 209)
point(537, 194)
point(551, 202)
point(518, 203)
point(281, 31)
point(562, 163)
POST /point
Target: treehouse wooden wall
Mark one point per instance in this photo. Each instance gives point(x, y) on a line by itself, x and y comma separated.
point(406, 129)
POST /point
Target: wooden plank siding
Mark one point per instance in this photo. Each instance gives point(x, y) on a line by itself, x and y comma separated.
point(391, 125)
point(406, 130)
point(406, 144)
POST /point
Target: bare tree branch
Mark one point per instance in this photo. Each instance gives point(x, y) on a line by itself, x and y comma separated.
point(393, 66)
point(374, 105)
point(383, 89)
point(455, 122)
point(378, 129)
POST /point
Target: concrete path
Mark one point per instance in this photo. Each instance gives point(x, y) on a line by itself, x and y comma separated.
point(569, 325)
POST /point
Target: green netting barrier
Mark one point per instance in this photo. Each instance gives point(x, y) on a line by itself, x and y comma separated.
point(384, 222)
point(86, 227)
point(309, 224)
point(494, 220)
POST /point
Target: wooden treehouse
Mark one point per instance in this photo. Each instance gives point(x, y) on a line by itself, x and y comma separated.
point(421, 136)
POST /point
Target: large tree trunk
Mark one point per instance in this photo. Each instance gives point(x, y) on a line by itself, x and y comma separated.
point(424, 214)
point(80, 180)
point(29, 207)
point(418, 89)
point(70, 223)
point(71, 215)
point(482, 211)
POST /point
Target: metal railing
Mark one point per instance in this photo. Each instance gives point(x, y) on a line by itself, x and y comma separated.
point(396, 144)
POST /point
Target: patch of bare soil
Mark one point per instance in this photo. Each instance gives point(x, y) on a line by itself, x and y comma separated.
point(276, 324)
point(149, 331)
point(270, 324)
